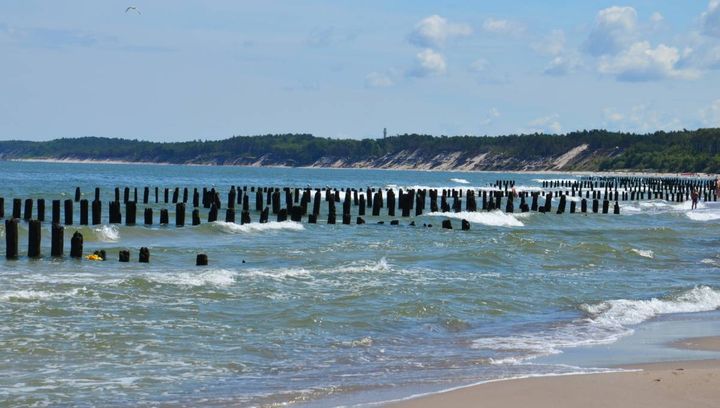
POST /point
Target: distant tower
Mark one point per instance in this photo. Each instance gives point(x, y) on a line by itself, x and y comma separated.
point(384, 133)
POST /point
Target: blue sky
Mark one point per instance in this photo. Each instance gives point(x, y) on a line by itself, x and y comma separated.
point(185, 70)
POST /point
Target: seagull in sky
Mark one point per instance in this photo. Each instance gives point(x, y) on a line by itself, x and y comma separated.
point(133, 8)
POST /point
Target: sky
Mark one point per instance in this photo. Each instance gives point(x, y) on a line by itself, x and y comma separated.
point(176, 70)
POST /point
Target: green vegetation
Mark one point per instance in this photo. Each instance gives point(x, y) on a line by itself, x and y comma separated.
point(681, 151)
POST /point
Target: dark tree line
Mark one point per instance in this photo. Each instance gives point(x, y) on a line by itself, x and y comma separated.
point(680, 151)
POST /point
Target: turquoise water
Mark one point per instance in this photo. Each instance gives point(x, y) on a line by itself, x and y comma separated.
point(315, 313)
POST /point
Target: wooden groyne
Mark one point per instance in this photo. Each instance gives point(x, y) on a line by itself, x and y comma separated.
point(346, 206)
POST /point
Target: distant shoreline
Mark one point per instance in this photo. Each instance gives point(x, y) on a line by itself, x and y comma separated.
point(630, 173)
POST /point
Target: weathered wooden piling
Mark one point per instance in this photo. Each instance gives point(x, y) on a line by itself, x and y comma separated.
point(57, 240)
point(2, 207)
point(230, 215)
point(164, 217)
point(126, 195)
point(148, 216)
point(11, 238)
point(40, 210)
point(180, 215)
point(77, 194)
point(124, 256)
point(34, 239)
point(146, 195)
point(83, 212)
point(28, 209)
point(465, 225)
point(446, 224)
point(17, 208)
point(56, 211)
point(245, 216)
point(196, 217)
point(616, 208)
point(212, 214)
point(144, 256)
point(68, 212)
point(595, 205)
point(96, 212)
point(130, 213)
point(76, 245)
point(201, 260)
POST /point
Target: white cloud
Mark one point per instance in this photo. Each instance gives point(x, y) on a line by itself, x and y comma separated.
point(378, 80)
point(491, 115)
point(552, 44)
point(711, 115)
point(657, 18)
point(641, 62)
point(614, 28)
point(563, 65)
point(550, 124)
point(613, 115)
point(429, 62)
point(496, 26)
point(710, 19)
point(479, 65)
point(640, 119)
point(435, 31)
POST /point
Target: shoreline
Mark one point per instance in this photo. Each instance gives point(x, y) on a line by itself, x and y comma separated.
point(620, 173)
point(659, 384)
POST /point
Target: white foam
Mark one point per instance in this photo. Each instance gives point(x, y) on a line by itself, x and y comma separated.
point(232, 228)
point(607, 322)
point(20, 295)
point(703, 215)
point(25, 295)
point(107, 233)
point(216, 277)
point(494, 218)
point(459, 181)
point(645, 253)
point(624, 312)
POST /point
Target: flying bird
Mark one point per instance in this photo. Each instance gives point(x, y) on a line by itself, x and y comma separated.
point(133, 8)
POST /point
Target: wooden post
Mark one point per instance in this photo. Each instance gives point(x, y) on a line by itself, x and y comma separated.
point(201, 260)
point(180, 214)
point(212, 214)
point(17, 207)
point(616, 209)
point(148, 216)
point(97, 194)
point(124, 256)
point(34, 239)
point(40, 210)
point(164, 218)
point(57, 240)
point(230, 215)
point(96, 212)
point(11, 238)
point(245, 216)
point(83, 212)
point(146, 195)
point(446, 224)
point(28, 209)
point(196, 198)
point(144, 255)
point(465, 225)
point(583, 205)
point(126, 195)
point(176, 192)
point(2, 207)
point(77, 194)
point(130, 213)
point(56, 211)
point(68, 212)
point(76, 245)
point(196, 217)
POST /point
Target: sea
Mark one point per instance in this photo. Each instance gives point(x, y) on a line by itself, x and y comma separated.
point(298, 314)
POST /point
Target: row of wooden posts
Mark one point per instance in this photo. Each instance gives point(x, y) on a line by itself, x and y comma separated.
point(58, 243)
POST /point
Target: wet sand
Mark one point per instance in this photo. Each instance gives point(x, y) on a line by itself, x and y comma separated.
point(658, 385)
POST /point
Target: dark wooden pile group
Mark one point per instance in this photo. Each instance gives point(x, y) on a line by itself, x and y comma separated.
point(594, 195)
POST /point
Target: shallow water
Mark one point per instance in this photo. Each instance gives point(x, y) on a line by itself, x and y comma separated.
point(321, 310)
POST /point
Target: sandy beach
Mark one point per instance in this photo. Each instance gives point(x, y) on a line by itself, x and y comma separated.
point(657, 385)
